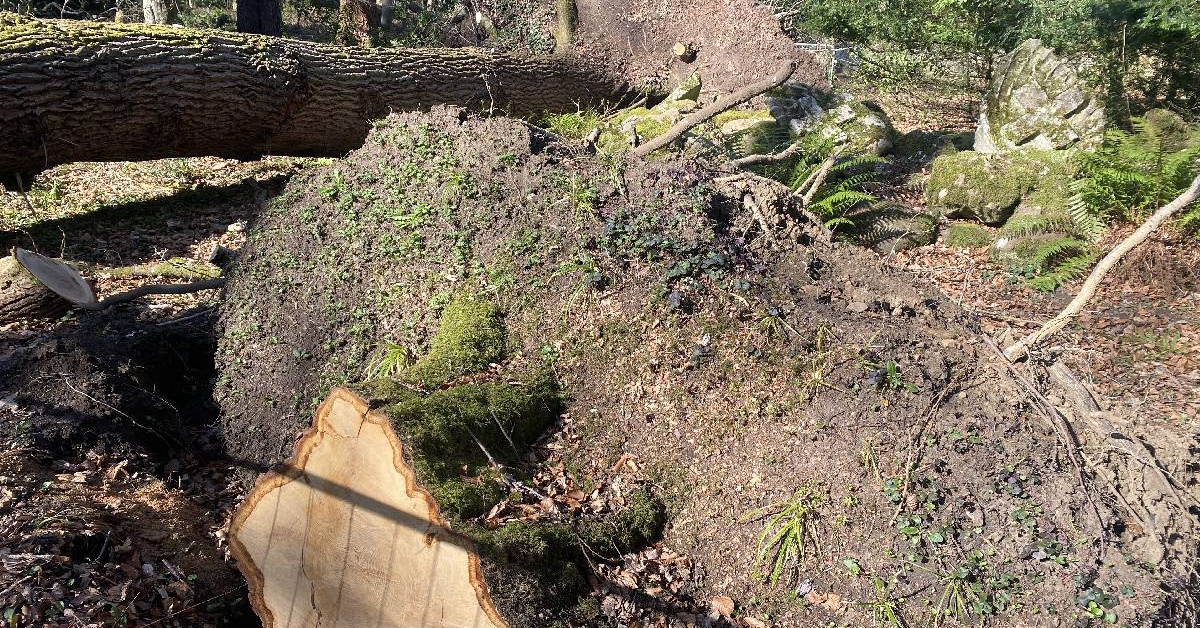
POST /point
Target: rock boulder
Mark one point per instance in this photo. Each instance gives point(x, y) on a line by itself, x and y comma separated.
point(1038, 100)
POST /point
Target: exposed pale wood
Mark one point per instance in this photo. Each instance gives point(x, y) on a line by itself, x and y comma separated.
point(722, 104)
point(1020, 349)
point(754, 160)
point(58, 277)
point(86, 91)
point(66, 282)
point(346, 536)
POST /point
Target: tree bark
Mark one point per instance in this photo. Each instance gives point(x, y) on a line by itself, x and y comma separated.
point(157, 12)
point(263, 17)
point(23, 297)
point(84, 91)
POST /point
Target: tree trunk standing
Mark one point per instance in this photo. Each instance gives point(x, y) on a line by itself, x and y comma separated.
point(387, 13)
point(358, 23)
point(262, 17)
point(85, 91)
point(157, 12)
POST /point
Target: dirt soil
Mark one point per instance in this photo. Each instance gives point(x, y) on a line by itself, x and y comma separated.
point(737, 42)
point(730, 358)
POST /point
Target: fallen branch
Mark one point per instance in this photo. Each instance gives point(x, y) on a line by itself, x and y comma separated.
point(1021, 349)
point(722, 104)
point(66, 282)
point(819, 177)
point(768, 158)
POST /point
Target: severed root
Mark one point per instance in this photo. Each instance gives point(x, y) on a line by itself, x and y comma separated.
point(1019, 350)
point(70, 287)
point(345, 531)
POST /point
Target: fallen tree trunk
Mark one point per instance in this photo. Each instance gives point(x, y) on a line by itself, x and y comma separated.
point(85, 91)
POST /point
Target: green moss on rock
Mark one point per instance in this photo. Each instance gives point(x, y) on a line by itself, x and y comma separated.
point(964, 235)
point(470, 336)
point(988, 187)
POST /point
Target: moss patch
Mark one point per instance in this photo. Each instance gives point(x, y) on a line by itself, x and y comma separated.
point(964, 235)
point(470, 336)
point(989, 187)
point(447, 431)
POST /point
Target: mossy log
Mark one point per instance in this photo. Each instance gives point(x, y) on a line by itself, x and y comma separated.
point(84, 91)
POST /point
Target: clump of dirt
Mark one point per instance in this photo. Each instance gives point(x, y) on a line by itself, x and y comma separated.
point(111, 379)
point(736, 42)
point(832, 439)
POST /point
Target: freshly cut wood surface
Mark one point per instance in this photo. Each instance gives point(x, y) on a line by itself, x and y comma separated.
point(345, 536)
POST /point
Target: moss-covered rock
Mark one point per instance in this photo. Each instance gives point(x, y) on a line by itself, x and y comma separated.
point(965, 235)
point(470, 337)
point(1038, 101)
point(988, 187)
point(840, 118)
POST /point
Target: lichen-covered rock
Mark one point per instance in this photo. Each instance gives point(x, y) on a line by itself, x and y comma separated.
point(988, 187)
point(806, 110)
point(1038, 100)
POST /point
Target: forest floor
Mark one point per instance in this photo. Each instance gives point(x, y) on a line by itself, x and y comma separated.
point(123, 522)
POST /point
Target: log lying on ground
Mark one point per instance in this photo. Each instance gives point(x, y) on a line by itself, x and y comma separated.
point(84, 91)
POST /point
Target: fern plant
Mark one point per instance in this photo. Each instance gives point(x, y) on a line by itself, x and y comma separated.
point(845, 187)
point(1134, 174)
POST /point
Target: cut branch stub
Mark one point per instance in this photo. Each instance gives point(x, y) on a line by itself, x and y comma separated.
point(346, 534)
point(60, 278)
point(23, 297)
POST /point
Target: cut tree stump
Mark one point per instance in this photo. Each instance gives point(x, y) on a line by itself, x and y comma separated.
point(23, 297)
point(346, 535)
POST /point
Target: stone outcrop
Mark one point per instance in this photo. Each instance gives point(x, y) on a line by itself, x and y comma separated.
point(840, 117)
point(987, 187)
point(1038, 100)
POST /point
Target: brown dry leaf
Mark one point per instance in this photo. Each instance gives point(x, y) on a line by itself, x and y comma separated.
point(754, 622)
point(723, 605)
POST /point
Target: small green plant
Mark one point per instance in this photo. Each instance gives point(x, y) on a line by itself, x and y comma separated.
point(1136, 173)
point(393, 359)
point(574, 126)
point(844, 188)
point(885, 609)
point(789, 532)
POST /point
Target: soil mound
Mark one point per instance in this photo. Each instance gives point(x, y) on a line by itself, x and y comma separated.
point(832, 441)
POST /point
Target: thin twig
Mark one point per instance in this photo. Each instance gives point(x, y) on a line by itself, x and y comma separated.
point(754, 160)
point(916, 446)
point(1059, 424)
